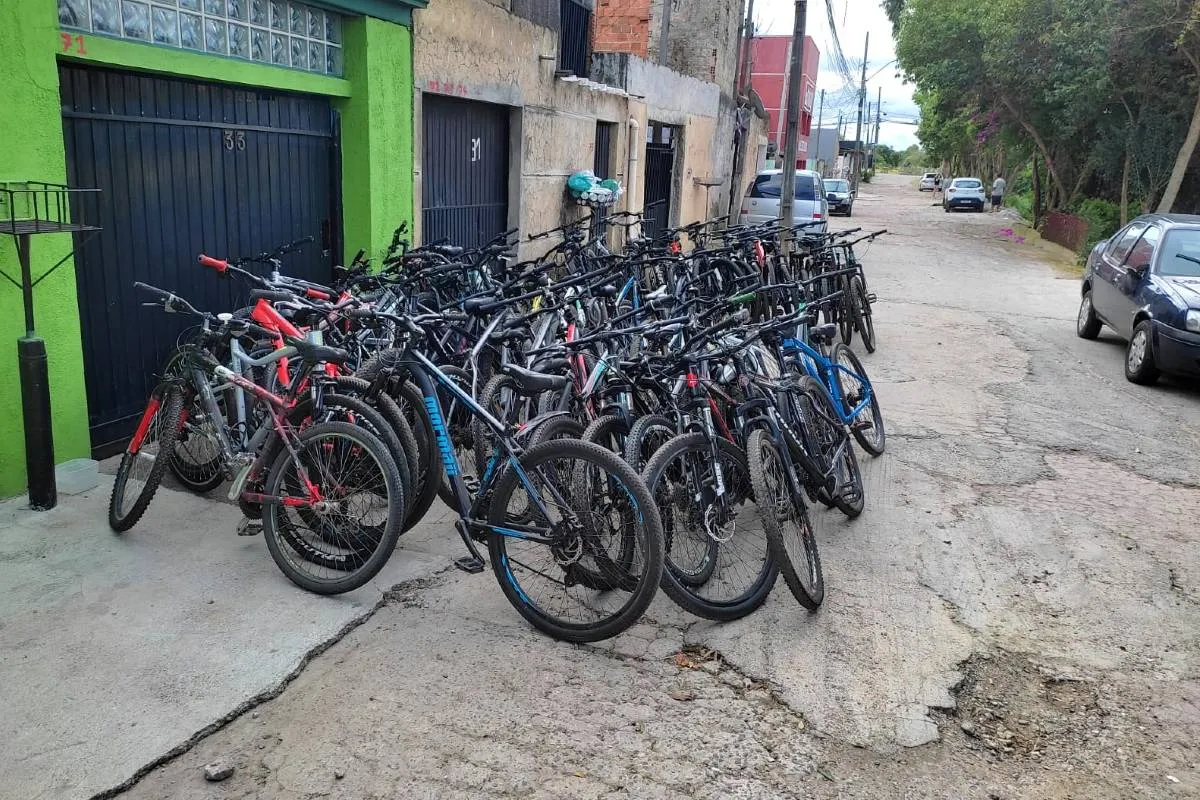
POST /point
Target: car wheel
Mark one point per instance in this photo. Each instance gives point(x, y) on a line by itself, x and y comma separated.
point(946, 209)
point(1139, 357)
point(850, 211)
point(1087, 324)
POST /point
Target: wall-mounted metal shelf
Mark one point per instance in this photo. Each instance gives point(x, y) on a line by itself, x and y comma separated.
point(31, 208)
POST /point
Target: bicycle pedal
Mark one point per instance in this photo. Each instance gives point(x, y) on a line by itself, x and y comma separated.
point(871, 298)
point(470, 564)
point(249, 527)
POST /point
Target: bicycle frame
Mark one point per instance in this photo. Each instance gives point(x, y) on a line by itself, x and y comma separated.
point(428, 377)
point(820, 367)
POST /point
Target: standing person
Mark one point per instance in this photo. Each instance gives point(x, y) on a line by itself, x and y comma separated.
point(998, 193)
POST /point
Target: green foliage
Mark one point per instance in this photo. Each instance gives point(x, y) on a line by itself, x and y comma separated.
point(1102, 91)
point(1103, 219)
point(887, 156)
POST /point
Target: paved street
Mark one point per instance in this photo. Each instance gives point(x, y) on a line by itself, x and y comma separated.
point(1015, 615)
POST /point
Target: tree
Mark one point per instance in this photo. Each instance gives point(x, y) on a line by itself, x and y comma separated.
point(887, 156)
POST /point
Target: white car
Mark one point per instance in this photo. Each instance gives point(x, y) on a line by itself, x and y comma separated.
point(964, 193)
point(761, 203)
point(928, 182)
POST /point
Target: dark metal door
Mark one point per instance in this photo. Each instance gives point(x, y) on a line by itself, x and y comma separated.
point(660, 177)
point(464, 188)
point(185, 167)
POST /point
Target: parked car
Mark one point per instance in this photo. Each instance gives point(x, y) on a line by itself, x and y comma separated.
point(929, 182)
point(1144, 283)
point(761, 203)
point(964, 193)
point(840, 196)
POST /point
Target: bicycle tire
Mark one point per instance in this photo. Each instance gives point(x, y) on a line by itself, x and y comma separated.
point(609, 431)
point(681, 518)
point(361, 570)
point(867, 326)
point(389, 426)
point(776, 503)
point(160, 427)
point(648, 433)
point(823, 420)
point(634, 504)
point(197, 475)
point(847, 313)
point(851, 393)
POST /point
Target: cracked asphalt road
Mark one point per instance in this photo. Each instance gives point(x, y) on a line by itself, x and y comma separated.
point(1015, 615)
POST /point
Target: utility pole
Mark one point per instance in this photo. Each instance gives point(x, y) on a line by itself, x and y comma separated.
point(787, 188)
point(878, 118)
point(820, 119)
point(862, 99)
point(742, 87)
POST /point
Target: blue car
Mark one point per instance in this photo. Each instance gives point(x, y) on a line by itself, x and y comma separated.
point(1144, 283)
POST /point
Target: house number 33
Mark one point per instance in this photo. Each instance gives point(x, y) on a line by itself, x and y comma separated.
point(234, 140)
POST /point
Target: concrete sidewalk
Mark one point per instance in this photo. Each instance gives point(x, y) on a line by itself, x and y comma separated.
point(117, 649)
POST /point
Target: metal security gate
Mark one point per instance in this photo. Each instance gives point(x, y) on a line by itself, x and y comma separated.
point(185, 167)
point(464, 188)
point(660, 177)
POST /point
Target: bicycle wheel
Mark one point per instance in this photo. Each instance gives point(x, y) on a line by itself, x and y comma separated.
point(866, 324)
point(340, 542)
point(592, 505)
point(867, 426)
point(648, 433)
point(827, 436)
point(609, 431)
point(847, 313)
point(197, 460)
point(718, 565)
point(141, 468)
point(785, 518)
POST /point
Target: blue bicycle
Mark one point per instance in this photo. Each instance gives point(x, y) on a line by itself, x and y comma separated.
point(845, 379)
point(574, 536)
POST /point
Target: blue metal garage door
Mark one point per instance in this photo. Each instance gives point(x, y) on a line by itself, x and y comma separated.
point(185, 167)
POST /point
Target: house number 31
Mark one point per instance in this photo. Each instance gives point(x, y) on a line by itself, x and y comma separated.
point(476, 149)
point(234, 140)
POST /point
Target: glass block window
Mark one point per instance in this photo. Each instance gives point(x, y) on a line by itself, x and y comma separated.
point(279, 32)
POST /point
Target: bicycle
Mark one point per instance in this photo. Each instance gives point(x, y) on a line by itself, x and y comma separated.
point(580, 511)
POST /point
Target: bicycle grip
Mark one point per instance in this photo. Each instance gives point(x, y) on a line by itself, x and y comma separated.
point(218, 264)
point(152, 289)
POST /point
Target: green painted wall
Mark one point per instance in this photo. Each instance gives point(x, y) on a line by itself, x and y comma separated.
point(31, 148)
point(376, 102)
point(377, 133)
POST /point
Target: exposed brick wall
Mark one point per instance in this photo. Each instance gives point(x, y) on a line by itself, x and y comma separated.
point(621, 26)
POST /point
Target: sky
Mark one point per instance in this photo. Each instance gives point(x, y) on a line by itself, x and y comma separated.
point(854, 20)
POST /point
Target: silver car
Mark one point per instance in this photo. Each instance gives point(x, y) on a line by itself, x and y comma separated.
point(761, 203)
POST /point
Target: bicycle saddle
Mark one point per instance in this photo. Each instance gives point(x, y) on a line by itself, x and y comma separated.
point(314, 353)
point(531, 382)
point(823, 333)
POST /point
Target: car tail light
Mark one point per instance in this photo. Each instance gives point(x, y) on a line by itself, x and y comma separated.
point(745, 211)
point(818, 215)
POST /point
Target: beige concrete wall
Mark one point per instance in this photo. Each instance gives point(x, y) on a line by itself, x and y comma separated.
point(476, 50)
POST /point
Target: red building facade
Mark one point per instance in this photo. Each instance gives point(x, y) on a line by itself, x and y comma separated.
point(770, 57)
